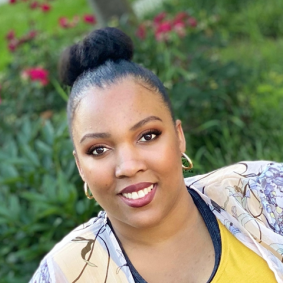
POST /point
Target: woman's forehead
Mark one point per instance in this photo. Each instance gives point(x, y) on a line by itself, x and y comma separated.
point(120, 96)
point(123, 102)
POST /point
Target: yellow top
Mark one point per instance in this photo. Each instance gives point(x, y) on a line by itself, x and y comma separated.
point(240, 264)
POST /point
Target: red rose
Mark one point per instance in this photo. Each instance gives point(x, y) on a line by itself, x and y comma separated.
point(45, 7)
point(89, 19)
point(12, 1)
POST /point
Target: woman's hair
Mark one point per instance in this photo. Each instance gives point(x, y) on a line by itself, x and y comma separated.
point(101, 59)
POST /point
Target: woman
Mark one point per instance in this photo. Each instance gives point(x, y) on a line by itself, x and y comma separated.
point(156, 226)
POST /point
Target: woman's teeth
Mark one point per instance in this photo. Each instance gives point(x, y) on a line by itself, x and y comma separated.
point(139, 194)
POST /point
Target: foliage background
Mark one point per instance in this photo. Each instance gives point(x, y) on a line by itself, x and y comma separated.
point(224, 74)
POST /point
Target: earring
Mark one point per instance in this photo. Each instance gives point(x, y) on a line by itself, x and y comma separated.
point(86, 192)
point(189, 160)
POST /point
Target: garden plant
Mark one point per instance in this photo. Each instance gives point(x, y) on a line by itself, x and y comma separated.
point(228, 98)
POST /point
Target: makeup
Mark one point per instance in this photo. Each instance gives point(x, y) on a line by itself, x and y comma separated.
point(138, 195)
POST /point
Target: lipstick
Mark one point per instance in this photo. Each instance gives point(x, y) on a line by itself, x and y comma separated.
point(138, 195)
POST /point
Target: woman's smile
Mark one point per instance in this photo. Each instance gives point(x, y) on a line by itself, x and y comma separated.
point(139, 195)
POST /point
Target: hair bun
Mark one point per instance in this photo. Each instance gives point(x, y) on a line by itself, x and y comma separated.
point(96, 48)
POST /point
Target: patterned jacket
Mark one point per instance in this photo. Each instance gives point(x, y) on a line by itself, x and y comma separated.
point(246, 197)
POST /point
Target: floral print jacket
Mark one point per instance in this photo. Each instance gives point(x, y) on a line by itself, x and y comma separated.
point(246, 197)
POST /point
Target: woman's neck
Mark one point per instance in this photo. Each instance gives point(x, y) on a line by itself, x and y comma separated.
point(183, 218)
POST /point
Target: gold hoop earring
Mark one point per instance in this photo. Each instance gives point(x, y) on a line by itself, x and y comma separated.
point(184, 155)
point(86, 192)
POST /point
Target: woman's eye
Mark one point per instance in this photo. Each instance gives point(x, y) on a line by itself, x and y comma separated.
point(148, 137)
point(99, 150)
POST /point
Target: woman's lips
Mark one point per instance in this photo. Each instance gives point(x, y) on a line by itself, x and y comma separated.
point(138, 195)
point(136, 187)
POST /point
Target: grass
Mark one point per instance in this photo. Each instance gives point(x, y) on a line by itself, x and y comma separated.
point(20, 18)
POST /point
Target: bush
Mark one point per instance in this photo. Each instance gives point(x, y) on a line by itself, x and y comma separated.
point(225, 114)
point(38, 176)
point(208, 95)
point(40, 202)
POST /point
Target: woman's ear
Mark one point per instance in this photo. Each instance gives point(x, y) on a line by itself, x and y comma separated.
point(181, 136)
point(78, 165)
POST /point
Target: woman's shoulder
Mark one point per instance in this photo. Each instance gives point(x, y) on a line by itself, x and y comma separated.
point(244, 171)
point(87, 229)
point(90, 253)
point(250, 191)
point(67, 250)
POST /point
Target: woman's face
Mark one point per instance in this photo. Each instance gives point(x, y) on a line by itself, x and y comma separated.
point(128, 150)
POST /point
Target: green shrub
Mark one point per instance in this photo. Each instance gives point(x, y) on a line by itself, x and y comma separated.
point(226, 110)
point(20, 18)
point(208, 95)
point(40, 199)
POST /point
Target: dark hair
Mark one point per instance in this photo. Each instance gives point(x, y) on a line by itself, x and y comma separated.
point(102, 58)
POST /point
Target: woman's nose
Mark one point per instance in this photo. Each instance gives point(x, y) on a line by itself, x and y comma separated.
point(129, 163)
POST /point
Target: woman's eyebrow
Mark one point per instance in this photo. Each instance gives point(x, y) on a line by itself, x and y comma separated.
point(133, 128)
point(95, 136)
point(144, 121)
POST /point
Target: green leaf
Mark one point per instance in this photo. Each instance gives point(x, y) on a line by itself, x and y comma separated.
point(31, 155)
point(48, 132)
point(34, 197)
point(14, 207)
point(43, 147)
point(60, 90)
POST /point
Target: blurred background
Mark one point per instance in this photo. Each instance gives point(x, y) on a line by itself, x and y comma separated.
point(220, 61)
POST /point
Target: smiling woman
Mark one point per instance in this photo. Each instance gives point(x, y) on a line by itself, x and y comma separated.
point(155, 226)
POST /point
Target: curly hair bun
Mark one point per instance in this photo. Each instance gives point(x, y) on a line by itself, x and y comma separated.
point(97, 47)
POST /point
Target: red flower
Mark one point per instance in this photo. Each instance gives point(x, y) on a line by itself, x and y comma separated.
point(180, 18)
point(159, 18)
point(64, 22)
point(34, 5)
point(12, 1)
point(164, 27)
point(141, 32)
point(13, 44)
point(32, 34)
point(45, 7)
point(37, 74)
point(29, 36)
point(180, 29)
point(10, 35)
point(192, 22)
point(89, 19)
point(162, 30)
